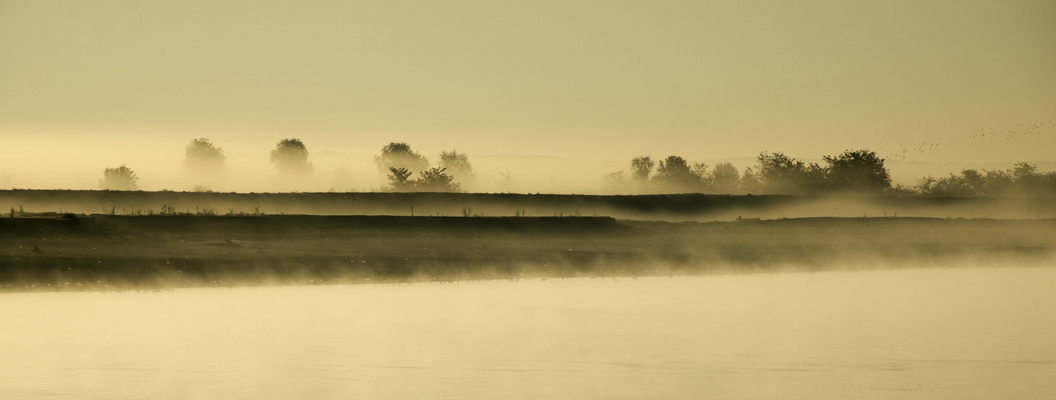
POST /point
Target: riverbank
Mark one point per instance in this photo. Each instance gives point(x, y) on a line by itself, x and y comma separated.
point(668, 207)
point(110, 252)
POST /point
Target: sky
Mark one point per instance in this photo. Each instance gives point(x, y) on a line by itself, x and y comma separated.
point(557, 92)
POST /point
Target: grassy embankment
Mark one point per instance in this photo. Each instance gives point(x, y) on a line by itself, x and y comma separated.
point(678, 207)
point(107, 252)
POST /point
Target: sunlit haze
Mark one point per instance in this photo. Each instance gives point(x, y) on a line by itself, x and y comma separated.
point(557, 93)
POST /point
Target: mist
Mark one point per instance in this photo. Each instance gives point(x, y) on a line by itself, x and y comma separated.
point(77, 161)
point(546, 199)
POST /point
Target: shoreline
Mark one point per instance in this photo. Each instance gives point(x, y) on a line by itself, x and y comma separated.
point(105, 252)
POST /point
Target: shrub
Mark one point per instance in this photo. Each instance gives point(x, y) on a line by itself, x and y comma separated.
point(120, 178)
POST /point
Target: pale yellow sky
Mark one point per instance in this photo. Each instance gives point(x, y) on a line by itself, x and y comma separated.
point(602, 80)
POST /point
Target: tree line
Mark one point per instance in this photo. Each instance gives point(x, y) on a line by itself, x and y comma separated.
point(204, 159)
point(857, 171)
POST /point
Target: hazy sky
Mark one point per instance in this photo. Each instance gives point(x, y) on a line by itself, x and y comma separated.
point(601, 80)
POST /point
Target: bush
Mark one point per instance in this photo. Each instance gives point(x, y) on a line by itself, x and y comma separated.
point(201, 156)
point(291, 157)
point(400, 155)
point(120, 178)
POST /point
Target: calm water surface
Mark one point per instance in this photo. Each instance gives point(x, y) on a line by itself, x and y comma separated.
point(927, 334)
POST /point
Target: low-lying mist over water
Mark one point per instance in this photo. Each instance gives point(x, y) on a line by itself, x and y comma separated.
point(547, 199)
point(916, 334)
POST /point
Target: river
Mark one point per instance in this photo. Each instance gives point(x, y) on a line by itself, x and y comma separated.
point(956, 333)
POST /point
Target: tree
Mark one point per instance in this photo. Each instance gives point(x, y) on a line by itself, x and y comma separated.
point(969, 183)
point(120, 178)
point(507, 181)
point(400, 155)
point(457, 164)
point(436, 180)
point(724, 178)
point(1027, 178)
point(675, 174)
point(202, 157)
point(431, 180)
point(859, 170)
point(641, 168)
point(615, 182)
point(291, 157)
point(1023, 180)
point(778, 173)
point(399, 180)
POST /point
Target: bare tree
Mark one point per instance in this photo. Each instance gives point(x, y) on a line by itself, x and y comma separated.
point(120, 178)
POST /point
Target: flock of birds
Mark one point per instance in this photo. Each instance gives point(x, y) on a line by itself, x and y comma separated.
point(1020, 132)
point(1010, 134)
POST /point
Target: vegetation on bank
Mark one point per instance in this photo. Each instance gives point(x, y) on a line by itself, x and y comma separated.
point(118, 252)
point(851, 172)
point(857, 172)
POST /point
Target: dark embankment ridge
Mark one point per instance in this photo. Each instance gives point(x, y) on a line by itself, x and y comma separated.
point(673, 207)
point(107, 252)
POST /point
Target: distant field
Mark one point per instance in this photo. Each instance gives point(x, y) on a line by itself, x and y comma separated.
point(108, 252)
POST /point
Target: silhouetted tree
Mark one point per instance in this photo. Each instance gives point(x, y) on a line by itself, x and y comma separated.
point(724, 178)
point(399, 180)
point(202, 157)
point(436, 180)
point(969, 183)
point(750, 182)
point(675, 174)
point(641, 168)
point(700, 170)
point(400, 155)
point(431, 180)
point(457, 164)
point(120, 178)
point(859, 170)
point(778, 173)
point(291, 157)
point(1027, 178)
point(1023, 180)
